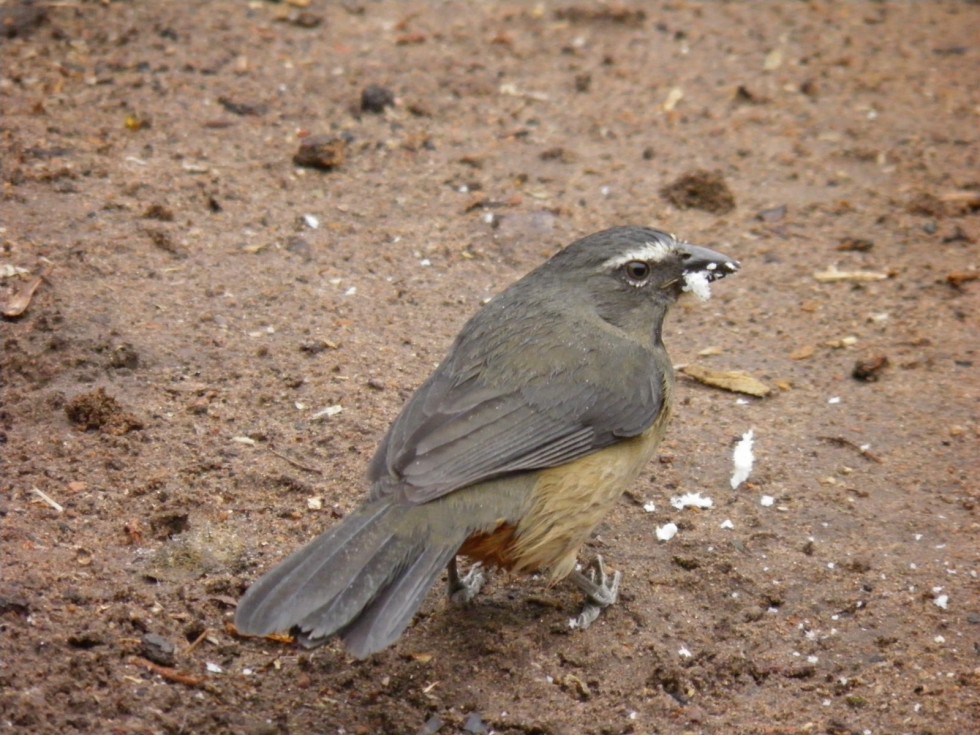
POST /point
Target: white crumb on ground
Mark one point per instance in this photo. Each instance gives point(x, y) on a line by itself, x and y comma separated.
point(767, 500)
point(666, 532)
point(743, 459)
point(691, 500)
point(727, 524)
point(697, 283)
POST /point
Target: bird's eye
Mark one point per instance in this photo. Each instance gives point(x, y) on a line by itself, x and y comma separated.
point(637, 271)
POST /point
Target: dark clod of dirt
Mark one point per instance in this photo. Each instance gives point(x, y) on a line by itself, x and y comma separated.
point(700, 189)
point(14, 604)
point(21, 18)
point(98, 410)
point(86, 640)
point(558, 153)
point(375, 98)
point(298, 245)
point(688, 563)
point(168, 525)
point(744, 95)
point(855, 244)
point(159, 212)
point(869, 370)
point(926, 204)
point(304, 19)
point(244, 109)
point(158, 649)
point(957, 235)
point(315, 347)
point(810, 88)
point(321, 151)
point(614, 13)
point(162, 240)
point(124, 356)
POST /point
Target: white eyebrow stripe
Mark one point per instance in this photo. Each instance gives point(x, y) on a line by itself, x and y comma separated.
point(651, 252)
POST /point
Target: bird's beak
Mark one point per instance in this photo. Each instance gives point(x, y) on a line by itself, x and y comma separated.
point(712, 264)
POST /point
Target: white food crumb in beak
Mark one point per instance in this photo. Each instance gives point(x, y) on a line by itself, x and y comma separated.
point(697, 283)
point(743, 459)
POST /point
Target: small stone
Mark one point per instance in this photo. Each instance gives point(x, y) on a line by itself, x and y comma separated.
point(375, 99)
point(869, 371)
point(158, 649)
point(124, 356)
point(432, 726)
point(701, 189)
point(474, 724)
point(299, 246)
point(324, 152)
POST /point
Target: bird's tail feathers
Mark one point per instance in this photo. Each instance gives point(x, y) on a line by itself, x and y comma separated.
point(383, 621)
point(365, 578)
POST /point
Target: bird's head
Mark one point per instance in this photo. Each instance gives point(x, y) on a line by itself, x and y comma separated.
point(631, 275)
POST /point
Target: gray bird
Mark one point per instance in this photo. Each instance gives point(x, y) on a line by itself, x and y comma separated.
point(552, 399)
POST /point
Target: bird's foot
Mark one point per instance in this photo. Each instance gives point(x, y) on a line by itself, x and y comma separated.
point(462, 590)
point(600, 592)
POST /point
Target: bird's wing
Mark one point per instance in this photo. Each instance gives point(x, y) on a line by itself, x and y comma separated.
point(469, 423)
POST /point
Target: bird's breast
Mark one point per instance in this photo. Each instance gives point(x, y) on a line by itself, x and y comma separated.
point(567, 503)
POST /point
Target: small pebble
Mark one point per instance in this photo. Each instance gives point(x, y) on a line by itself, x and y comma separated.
point(375, 98)
point(324, 152)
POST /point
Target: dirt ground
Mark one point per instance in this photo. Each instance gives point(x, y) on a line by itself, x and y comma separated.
point(204, 340)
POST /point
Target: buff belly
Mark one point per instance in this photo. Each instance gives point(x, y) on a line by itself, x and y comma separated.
point(566, 504)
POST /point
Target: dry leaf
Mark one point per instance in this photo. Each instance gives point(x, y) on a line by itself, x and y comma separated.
point(20, 301)
point(736, 381)
point(962, 201)
point(958, 279)
point(832, 275)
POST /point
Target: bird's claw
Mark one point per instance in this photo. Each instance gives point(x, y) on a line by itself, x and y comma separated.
point(600, 592)
point(463, 589)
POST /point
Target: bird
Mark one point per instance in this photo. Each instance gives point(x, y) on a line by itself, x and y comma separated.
point(550, 402)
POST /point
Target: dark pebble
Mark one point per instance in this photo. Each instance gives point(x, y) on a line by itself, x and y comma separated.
point(158, 649)
point(376, 98)
point(321, 151)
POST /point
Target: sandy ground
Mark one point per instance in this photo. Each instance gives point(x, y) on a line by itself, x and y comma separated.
point(184, 301)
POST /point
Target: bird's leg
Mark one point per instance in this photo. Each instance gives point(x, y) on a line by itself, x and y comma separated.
point(463, 590)
point(600, 592)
